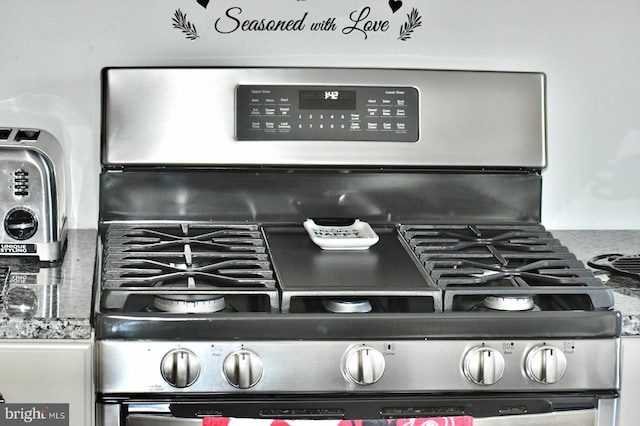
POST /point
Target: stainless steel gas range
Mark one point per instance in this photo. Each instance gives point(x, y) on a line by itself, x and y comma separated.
point(290, 243)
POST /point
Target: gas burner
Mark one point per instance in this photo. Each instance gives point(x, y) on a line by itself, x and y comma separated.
point(509, 303)
point(189, 304)
point(347, 306)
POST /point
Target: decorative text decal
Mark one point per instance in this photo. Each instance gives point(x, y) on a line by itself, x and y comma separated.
point(359, 22)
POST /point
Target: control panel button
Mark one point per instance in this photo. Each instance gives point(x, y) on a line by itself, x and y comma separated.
point(483, 365)
point(546, 364)
point(364, 365)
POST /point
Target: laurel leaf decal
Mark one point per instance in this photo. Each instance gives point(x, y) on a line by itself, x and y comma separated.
point(180, 22)
point(414, 20)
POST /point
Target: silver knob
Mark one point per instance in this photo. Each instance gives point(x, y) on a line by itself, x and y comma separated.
point(483, 366)
point(243, 369)
point(364, 365)
point(180, 368)
point(546, 364)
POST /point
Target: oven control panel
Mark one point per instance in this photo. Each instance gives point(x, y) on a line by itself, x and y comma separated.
point(340, 366)
point(327, 113)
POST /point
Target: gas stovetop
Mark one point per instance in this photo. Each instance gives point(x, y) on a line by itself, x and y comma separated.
point(228, 268)
point(271, 305)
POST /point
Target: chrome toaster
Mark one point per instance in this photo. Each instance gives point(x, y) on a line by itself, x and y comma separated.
point(32, 194)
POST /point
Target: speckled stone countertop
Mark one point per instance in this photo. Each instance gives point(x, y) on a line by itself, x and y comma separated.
point(52, 302)
point(587, 244)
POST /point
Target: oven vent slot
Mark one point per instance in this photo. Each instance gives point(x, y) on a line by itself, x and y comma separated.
point(303, 413)
point(408, 412)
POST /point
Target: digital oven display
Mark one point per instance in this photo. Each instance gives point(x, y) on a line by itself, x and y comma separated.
point(279, 112)
point(327, 99)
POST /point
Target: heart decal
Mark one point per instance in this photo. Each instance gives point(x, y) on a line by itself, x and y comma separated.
point(203, 3)
point(395, 5)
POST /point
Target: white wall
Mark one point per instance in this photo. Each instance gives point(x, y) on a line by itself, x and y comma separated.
point(51, 53)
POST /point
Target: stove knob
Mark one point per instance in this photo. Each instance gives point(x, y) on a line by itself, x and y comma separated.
point(180, 368)
point(546, 364)
point(364, 365)
point(483, 366)
point(243, 369)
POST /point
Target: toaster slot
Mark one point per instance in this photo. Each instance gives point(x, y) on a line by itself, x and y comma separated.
point(4, 134)
point(27, 135)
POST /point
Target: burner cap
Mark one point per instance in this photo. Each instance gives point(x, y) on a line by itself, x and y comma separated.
point(344, 306)
point(509, 303)
point(189, 304)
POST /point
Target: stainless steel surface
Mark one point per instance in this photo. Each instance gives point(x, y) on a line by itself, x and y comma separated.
point(455, 200)
point(430, 366)
point(268, 196)
point(566, 418)
point(151, 420)
point(32, 196)
point(186, 116)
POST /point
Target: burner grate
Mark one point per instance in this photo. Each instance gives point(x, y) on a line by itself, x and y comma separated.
point(207, 238)
point(191, 261)
point(470, 263)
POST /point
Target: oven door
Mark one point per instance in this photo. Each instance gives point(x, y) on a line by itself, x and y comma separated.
point(592, 409)
point(568, 418)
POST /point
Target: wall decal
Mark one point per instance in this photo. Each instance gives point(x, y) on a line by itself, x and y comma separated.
point(364, 25)
point(180, 22)
point(413, 22)
point(395, 5)
point(362, 22)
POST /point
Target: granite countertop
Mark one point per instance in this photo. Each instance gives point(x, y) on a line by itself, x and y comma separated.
point(587, 244)
point(58, 296)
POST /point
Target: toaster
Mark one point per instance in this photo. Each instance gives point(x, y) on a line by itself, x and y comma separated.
point(32, 194)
